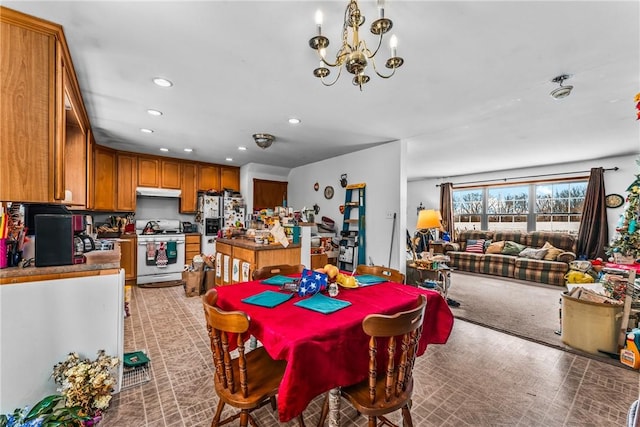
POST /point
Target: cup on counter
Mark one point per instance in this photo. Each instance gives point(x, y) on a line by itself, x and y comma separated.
point(3, 253)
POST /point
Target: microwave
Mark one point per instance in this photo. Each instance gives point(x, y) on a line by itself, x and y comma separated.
point(54, 239)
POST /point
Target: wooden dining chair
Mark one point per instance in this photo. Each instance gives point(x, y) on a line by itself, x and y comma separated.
point(389, 389)
point(387, 273)
point(273, 270)
point(248, 381)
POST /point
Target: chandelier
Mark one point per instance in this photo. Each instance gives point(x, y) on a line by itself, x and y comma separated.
point(355, 54)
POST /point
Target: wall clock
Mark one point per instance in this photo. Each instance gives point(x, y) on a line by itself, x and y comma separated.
point(614, 200)
point(328, 192)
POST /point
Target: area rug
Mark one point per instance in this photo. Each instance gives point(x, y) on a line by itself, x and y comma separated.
point(524, 309)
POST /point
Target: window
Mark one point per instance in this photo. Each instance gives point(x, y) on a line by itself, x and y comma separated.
point(541, 206)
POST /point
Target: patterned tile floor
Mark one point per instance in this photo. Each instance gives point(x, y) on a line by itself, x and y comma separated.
point(479, 378)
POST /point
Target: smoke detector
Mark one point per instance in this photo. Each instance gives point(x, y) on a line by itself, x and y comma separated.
point(562, 91)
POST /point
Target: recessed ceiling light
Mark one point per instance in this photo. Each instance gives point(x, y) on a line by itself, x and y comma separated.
point(164, 149)
point(241, 148)
point(162, 82)
point(154, 112)
point(229, 159)
point(145, 130)
point(294, 121)
point(188, 150)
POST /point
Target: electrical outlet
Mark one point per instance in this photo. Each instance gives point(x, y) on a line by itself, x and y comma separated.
point(389, 215)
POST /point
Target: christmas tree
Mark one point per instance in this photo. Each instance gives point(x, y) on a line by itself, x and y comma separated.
point(626, 241)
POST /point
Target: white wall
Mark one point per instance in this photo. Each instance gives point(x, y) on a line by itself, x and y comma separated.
point(381, 168)
point(425, 191)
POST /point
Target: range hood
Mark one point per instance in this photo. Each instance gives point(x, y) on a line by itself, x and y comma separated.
point(157, 192)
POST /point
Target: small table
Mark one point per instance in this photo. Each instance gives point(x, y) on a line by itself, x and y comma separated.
point(438, 273)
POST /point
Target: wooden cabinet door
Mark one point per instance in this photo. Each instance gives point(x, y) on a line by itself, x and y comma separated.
point(91, 178)
point(229, 178)
point(268, 194)
point(127, 167)
point(169, 173)
point(128, 257)
point(105, 179)
point(188, 195)
point(27, 94)
point(191, 247)
point(148, 172)
point(208, 177)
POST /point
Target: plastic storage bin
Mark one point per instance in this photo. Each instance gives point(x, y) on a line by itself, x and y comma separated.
point(590, 326)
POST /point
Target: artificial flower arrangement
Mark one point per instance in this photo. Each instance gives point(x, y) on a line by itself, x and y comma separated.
point(49, 412)
point(86, 384)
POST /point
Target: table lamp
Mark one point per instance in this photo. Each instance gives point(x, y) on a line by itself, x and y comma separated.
point(428, 219)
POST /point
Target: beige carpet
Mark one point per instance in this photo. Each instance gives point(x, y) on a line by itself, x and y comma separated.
point(524, 309)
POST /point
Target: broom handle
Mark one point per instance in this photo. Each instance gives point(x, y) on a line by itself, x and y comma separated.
point(628, 296)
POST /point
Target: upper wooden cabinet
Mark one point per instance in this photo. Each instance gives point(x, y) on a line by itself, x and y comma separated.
point(229, 178)
point(148, 171)
point(37, 81)
point(170, 173)
point(104, 178)
point(208, 177)
point(127, 173)
point(188, 195)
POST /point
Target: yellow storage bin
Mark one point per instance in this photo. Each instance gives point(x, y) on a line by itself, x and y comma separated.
point(590, 326)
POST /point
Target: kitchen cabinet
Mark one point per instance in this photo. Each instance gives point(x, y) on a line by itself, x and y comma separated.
point(170, 173)
point(127, 181)
point(229, 178)
point(38, 81)
point(231, 254)
point(128, 257)
point(191, 247)
point(208, 177)
point(148, 171)
point(105, 178)
point(188, 194)
point(91, 179)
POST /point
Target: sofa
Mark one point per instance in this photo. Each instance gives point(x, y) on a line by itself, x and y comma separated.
point(538, 256)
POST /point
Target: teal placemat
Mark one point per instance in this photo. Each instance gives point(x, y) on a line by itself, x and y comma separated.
point(267, 298)
point(369, 279)
point(322, 304)
point(278, 280)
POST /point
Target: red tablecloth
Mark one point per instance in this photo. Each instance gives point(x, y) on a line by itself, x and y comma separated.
point(324, 351)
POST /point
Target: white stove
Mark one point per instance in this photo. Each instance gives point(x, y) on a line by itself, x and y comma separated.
point(161, 251)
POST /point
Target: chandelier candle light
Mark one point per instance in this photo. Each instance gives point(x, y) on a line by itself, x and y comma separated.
point(355, 55)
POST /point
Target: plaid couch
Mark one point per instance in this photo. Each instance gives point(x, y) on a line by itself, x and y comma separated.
point(514, 266)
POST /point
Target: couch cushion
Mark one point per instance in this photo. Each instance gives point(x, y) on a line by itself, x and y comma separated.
point(466, 261)
point(514, 236)
point(533, 253)
point(541, 271)
point(552, 252)
point(465, 235)
point(475, 246)
point(564, 241)
point(512, 248)
point(499, 265)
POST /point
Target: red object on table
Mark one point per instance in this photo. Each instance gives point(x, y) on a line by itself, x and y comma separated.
point(323, 350)
point(635, 267)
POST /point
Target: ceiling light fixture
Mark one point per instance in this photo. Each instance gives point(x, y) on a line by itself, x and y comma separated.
point(294, 121)
point(188, 150)
point(562, 91)
point(164, 149)
point(263, 140)
point(229, 159)
point(242, 148)
point(354, 55)
point(145, 130)
point(162, 82)
point(152, 112)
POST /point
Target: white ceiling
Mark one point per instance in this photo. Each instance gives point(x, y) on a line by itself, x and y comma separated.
point(472, 96)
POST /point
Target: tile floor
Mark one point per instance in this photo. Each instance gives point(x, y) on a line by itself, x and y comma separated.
point(479, 378)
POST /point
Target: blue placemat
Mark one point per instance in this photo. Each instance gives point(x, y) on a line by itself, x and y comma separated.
point(278, 280)
point(322, 304)
point(370, 279)
point(267, 298)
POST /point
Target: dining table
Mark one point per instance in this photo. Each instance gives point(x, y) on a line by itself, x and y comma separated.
point(327, 349)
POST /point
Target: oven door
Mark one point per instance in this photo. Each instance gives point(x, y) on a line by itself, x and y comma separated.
point(148, 270)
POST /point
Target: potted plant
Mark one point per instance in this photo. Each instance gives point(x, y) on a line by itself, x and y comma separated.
point(49, 412)
point(87, 384)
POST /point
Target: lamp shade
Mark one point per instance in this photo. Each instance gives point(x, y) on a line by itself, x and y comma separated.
point(428, 218)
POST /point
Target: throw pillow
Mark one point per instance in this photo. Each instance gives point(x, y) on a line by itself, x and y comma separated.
point(486, 244)
point(495, 247)
point(512, 248)
point(475, 246)
point(552, 252)
point(533, 253)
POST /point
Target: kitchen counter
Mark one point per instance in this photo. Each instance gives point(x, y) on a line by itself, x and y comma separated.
point(31, 274)
point(247, 243)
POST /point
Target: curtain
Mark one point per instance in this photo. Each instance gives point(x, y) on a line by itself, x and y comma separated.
point(593, 234)
point(446, 209)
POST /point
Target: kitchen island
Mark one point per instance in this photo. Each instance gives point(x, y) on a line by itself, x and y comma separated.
point(236, 259)
point(47, 313)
